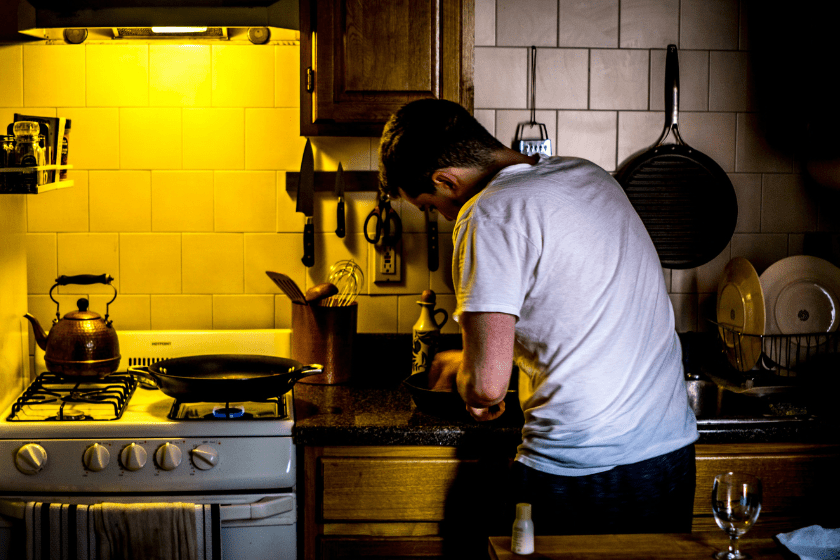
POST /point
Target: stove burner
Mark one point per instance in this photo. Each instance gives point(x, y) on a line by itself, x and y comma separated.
point(227, 412)
point(269, 409)
point(69, 416)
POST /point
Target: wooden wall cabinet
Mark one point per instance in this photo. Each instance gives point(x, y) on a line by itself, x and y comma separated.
point(417, 502)
point(361, 60)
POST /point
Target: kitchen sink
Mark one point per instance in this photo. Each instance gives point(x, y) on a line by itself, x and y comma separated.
point(716, 400)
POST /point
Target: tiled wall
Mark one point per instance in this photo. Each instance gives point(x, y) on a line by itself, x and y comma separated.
point(600, 93)
point(180, 153)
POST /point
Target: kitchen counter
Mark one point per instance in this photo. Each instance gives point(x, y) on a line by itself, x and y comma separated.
point(643, 547)
point(376, 409)
point(363, 415)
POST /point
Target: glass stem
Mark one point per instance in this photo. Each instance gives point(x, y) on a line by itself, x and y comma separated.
point(733, 547)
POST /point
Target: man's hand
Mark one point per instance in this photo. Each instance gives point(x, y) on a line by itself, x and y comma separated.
point(444, 370)
point(485, 414)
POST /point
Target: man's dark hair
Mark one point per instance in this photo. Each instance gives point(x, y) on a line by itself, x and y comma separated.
point(426, 135)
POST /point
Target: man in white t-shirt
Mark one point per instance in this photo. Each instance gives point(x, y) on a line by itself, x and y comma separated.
point(555, 272)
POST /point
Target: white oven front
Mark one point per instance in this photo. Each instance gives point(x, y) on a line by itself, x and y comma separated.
point(259, 526)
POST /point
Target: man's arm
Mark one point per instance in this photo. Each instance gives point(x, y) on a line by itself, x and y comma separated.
point(484, 373)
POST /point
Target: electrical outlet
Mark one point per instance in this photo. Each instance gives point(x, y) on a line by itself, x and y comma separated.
point(388, 263)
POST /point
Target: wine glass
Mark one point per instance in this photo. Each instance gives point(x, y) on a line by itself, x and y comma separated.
point(736, 503)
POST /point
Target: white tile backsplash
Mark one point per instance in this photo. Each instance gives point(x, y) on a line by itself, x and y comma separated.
point(562, 78)
point(501, 78)
point(709, 24)
point(11, 68)
point(61, 65)
point(589, 23)
point(618, 79)
point(588, 134)
point(521, 26)
point(648, 23)
point(180, 152)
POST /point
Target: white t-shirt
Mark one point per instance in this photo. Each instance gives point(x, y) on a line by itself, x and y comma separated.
point(559, 246)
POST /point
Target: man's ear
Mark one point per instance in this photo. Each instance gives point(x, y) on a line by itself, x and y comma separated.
point(446, 179)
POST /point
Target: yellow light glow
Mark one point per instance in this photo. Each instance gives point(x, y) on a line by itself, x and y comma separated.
point(179, 29)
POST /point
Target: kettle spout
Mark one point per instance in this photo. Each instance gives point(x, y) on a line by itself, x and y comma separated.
point(40, 335)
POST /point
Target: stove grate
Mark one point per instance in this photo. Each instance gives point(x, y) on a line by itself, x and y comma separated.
point(51, 398)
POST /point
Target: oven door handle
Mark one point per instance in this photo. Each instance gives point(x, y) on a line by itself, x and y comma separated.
point(13, 509)
point(262, 509)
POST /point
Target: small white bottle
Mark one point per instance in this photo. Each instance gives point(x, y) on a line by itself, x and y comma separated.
point(522, 539)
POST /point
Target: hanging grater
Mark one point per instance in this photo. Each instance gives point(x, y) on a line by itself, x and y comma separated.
point(529, 145)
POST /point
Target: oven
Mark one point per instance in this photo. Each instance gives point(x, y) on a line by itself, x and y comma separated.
point(79, 460)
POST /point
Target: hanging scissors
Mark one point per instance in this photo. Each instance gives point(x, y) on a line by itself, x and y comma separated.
point(387, 226)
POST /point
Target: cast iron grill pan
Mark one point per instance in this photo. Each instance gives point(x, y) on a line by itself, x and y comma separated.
point(684, 198)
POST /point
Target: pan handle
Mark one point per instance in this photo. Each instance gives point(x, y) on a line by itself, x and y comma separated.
point(147, 379)
point(306, 371)
point(672, 96)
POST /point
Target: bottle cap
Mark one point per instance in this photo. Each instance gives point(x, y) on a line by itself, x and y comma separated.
point(523, 511)
point(428, 296)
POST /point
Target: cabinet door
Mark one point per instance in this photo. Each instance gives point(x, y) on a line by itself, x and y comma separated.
point(797, 479)
point(361, 60)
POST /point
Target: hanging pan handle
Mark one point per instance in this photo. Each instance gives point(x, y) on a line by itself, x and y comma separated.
point(672, 96)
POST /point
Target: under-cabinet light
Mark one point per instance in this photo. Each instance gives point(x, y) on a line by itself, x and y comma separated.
point(179, 29)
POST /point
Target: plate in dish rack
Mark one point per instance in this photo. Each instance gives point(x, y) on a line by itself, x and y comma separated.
point(740, 306)
point(802, 296)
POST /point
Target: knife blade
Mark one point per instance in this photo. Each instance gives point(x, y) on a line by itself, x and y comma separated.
point(306, 203)
point(432, 238)
point(339, 193)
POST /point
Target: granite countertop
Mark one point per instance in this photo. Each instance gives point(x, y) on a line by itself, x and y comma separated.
point(375, 408)
point(362, 415)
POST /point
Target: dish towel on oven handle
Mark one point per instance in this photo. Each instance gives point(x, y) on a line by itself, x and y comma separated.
point(112, 531)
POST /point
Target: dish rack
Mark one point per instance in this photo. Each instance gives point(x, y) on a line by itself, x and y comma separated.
point(783, 354)
point(31, 180)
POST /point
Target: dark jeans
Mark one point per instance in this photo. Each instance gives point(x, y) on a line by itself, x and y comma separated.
point(651, 496)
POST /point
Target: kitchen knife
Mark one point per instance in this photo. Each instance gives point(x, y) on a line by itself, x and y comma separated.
point(305, 203)
point(432, 238)
point(339, 192)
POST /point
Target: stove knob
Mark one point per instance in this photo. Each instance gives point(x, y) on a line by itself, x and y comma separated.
point(31, 458)
point(96, 457)
point(204, 457)
point(133, 457)
point(168, 456)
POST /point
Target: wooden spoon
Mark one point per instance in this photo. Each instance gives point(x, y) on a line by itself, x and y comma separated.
point(319, 292)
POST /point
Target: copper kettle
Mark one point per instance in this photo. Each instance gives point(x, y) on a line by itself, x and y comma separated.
point(82, 344)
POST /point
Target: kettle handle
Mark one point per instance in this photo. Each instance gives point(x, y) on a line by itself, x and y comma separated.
point(83, 280)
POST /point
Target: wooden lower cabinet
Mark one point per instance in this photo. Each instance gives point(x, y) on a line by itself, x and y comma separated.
point(798, 480)
point(415, 502)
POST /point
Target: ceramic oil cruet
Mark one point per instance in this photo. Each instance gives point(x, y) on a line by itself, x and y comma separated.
point(426, 333)
point(82, 344)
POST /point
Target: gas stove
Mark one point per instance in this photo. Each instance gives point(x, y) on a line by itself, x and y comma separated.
point(53, 427)
point(67, 448)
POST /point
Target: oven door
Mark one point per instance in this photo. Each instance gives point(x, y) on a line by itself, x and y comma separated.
point(247, 526)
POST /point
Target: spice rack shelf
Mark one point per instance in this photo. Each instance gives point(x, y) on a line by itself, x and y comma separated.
point(24, 180)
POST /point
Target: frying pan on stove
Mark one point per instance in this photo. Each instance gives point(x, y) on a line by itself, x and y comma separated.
point(684, 198)
point(226, 377)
